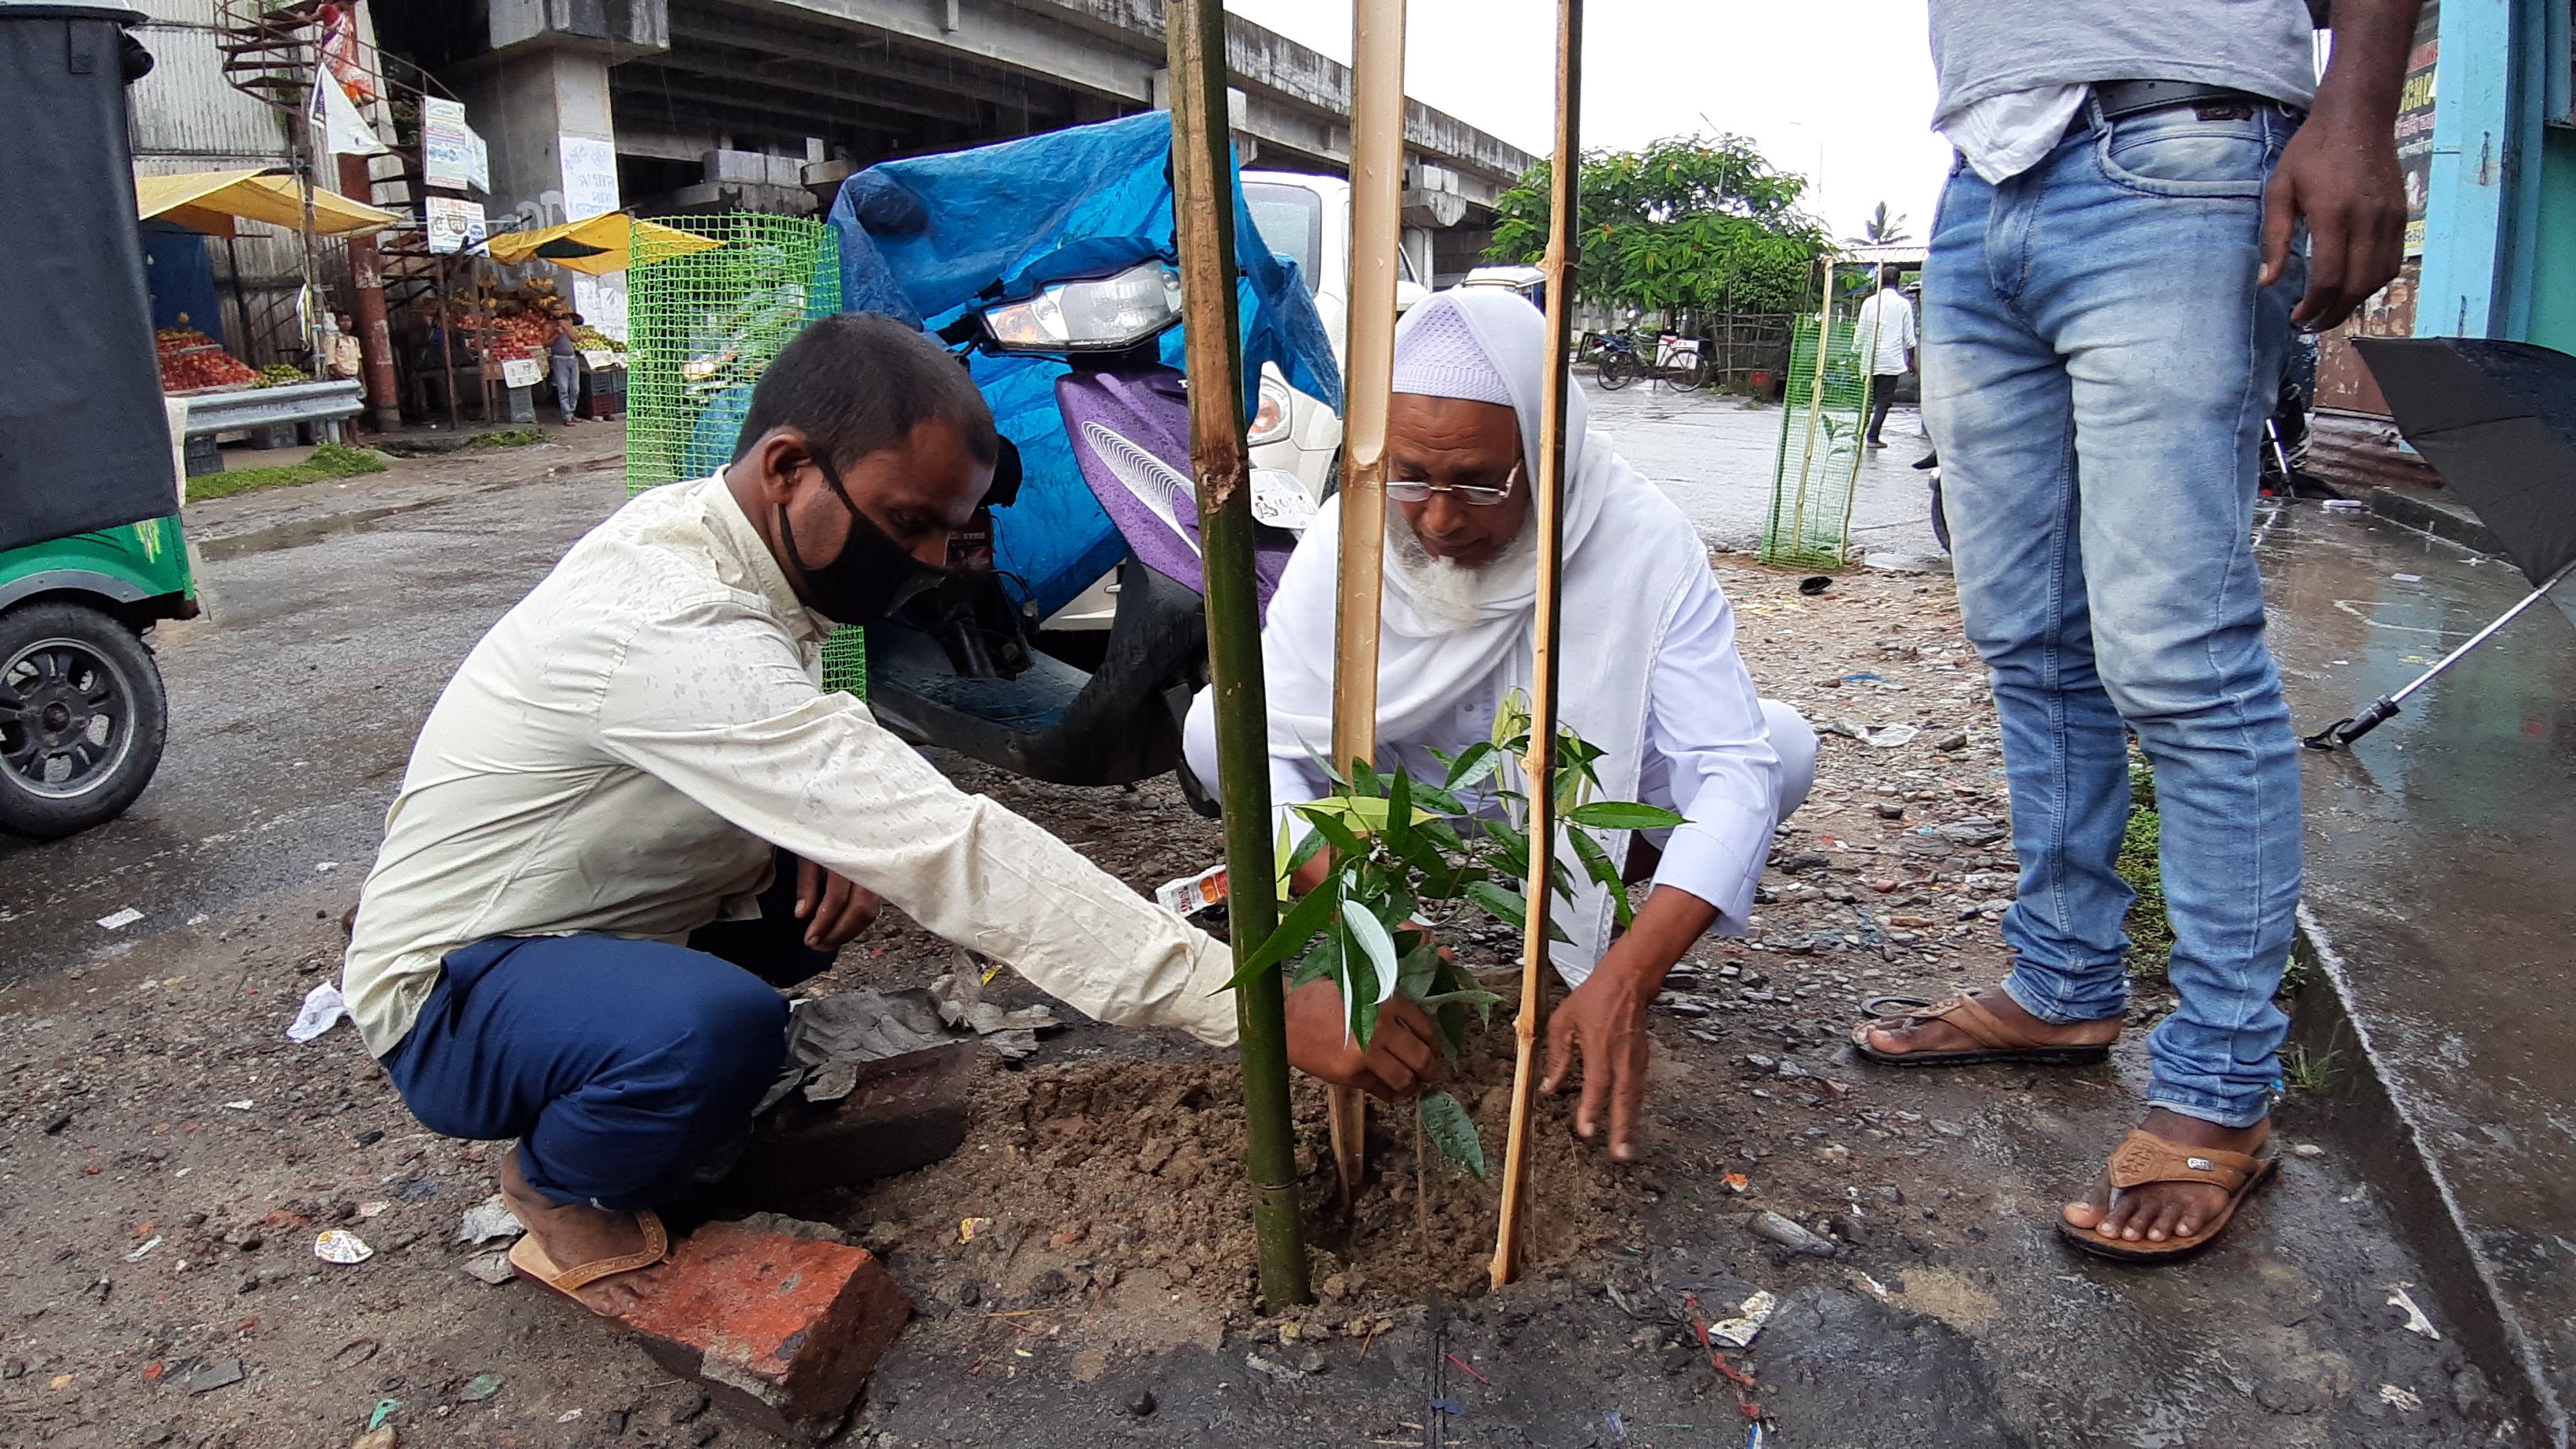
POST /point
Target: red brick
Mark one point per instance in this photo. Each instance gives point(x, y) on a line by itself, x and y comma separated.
point(780, 1331)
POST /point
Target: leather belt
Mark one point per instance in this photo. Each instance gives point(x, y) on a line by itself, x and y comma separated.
point(2130, 97)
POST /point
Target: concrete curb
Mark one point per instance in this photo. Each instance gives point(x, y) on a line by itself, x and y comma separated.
point(2423, 517)
point(2372, 1120)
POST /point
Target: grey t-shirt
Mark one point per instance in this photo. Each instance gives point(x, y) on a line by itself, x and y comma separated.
point(1983, 48)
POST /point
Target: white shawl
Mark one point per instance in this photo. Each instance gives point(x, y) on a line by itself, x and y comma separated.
point(1629, 554)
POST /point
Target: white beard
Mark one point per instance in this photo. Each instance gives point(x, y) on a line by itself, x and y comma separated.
point(1446, 596)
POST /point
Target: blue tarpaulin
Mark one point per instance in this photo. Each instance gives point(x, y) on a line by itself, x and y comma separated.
point(926, 238)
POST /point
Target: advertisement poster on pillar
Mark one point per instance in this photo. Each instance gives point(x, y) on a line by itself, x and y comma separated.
point(452, 224)
point(589, 176)
point(447, 144)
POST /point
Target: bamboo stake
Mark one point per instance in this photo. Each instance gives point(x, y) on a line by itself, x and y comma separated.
point(1203, 218)
point(1564, 193)
point(1377, 229)
point(1815, 414)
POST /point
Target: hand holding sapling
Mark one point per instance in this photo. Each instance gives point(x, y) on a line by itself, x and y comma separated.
point(1401, 858)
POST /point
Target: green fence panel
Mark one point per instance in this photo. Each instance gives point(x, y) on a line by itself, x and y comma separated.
point(1819, 457)
point(702, 325)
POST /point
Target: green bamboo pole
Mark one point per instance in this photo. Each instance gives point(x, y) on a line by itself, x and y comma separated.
point(1203, 218)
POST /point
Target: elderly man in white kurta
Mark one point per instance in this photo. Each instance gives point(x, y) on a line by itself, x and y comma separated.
point(1649, 672)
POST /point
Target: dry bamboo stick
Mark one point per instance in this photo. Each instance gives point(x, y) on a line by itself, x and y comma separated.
point(1564, 191)
point(1377, 199)
point(1815, 411)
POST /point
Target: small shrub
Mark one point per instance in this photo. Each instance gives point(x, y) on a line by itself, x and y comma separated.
point(2151, 937)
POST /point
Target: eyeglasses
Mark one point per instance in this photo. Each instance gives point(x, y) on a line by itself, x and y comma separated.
point(1414, 491)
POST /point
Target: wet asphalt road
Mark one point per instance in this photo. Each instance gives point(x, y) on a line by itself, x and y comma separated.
point(1714, 455)
point(2439, 851)
point(328, 635)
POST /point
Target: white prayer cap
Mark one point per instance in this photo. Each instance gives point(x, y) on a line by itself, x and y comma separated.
point(1437, 355)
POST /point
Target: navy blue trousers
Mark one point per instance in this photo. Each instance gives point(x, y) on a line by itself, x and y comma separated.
point(618, 1064)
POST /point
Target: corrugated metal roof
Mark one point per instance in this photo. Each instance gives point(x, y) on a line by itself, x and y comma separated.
point(186, 112)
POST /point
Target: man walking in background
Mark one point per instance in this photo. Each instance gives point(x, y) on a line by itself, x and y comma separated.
point(2114, 274)
point(1886, 337)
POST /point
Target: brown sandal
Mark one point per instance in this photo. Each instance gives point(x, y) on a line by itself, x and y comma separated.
point(528, 1259)
point(2142, 1158)
point(1996, 1041)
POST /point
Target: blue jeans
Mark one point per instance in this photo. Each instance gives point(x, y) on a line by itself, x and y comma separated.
point(567, 380)
point(2097, 364)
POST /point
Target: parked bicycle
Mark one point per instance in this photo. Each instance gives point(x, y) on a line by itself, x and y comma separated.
point(1617, 362)
point(1614, 359)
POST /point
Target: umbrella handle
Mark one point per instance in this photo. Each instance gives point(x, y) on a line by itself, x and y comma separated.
point(2345, 731)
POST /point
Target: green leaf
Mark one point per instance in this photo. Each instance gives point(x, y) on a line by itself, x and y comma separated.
point(1472, 764)
point(1399, 811)
point(1330, 824)
point(1451, 1130)
point(1435, 799)
point(1317, 964)
point(1371, 937)
point(1505, 906)
point(1622, 815)
point(1418, 974)
point(1299, 926)
point(1365, 779)
point(1596, 861)
point(1596, 864)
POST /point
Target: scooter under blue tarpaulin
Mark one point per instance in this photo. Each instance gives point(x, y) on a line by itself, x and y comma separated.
point(931, 239)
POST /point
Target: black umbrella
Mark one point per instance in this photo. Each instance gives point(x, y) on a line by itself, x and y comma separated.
point(2498, 421)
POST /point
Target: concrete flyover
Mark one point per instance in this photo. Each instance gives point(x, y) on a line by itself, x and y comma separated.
point(765, 104)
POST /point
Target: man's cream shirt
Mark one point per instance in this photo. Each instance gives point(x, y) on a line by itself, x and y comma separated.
point(623, 748)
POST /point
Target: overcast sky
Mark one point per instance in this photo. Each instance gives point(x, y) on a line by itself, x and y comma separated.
point(1838, 90)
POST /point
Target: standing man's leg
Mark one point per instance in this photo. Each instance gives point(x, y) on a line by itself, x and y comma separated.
point(2176, 356)
point(619, 1065)
point(1882, 396)
point(567, 386)
point(2131, 252)
point(1999, 405)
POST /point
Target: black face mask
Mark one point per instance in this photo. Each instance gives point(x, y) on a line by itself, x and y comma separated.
point(872, 576)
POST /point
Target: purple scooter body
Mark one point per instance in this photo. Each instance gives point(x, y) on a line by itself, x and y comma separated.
point(1130, 429)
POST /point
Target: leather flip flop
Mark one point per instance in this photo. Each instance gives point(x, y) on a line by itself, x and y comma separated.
point(1995, 1040)
point(528, 1259)
point(2142, 1158)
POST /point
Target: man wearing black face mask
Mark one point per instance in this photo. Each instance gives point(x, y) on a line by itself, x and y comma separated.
point(573, 933)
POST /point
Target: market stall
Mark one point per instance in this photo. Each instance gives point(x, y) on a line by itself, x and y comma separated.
point(194, 365)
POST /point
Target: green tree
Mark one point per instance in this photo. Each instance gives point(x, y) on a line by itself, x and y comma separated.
point(1882, 231)
point(1688, 223)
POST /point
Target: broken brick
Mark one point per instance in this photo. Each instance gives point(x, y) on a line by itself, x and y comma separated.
point(780, 1332)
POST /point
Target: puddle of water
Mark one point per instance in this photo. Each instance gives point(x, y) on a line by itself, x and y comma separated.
point(2438, 853)
point(299, 532)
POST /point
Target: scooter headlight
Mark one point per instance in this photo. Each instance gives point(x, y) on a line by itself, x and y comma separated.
point(1103, 314)
point(1270, 421)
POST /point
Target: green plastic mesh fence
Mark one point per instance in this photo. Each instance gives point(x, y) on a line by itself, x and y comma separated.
point(1820, 452)
point(702, 326)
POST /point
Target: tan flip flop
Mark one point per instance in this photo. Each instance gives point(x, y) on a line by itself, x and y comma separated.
point(1995, 1040)
point(2142, 1158)
point(528, 1259)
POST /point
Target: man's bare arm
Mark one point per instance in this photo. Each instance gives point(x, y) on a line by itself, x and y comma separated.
point(2339, 173)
